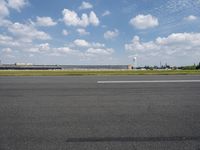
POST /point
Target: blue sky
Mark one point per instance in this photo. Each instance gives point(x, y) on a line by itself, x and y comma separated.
point(100, 31)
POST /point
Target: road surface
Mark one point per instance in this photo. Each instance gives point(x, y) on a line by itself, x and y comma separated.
point(100, 113)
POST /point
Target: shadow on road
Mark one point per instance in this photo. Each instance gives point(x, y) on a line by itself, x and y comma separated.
point(134, 139)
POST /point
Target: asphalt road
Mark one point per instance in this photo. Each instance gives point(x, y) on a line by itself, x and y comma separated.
point(77, 113)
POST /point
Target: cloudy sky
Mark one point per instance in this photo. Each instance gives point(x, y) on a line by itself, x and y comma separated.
point(100, 31)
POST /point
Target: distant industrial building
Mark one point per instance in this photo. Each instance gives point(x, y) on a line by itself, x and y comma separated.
point(96, 67)
point(28, 66)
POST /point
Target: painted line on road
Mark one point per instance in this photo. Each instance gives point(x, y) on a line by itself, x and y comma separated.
point(149, 81)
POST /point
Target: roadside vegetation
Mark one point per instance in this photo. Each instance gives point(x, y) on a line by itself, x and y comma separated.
point(168, 67)
point(193, 67)
point(95, 72)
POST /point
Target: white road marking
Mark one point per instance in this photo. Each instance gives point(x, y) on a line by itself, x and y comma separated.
point(148, 81)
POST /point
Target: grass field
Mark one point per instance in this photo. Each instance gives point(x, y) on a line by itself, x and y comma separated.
point(95, 72)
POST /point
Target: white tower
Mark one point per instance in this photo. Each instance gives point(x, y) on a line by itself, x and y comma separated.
point(135, 62)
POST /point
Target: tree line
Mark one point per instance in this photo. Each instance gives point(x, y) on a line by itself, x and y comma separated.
point(166, 66)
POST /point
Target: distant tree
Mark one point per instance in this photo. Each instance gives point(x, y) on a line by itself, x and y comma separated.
point(174, 67)
point(189, 67)
point(155, 67)
point(198, 66)
point(148, 68)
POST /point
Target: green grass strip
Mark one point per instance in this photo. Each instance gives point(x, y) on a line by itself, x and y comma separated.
point(95, 72)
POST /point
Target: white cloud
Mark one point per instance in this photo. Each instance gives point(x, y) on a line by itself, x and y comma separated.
point(100, 51)
point(8, 56)
point(190, 18)
point(175, 6)
point(84, 21)
point(181, 39)
point(5, 23)
point(44, 47)
point(93, 49)
point(39, 48)
point(21, 45)
point(33, 50)
point(7, 50)
point(8, 41)
point(17, 4)
point(14, 4)
point(65, 32)
point(111, 34)
point(71, 18)
point(45, 21)
point(27, 32)
point(176, 44)
point(89, 49)
point(21, 37)
point(94, 19)
point(106, 13)
point(65, 50)
point(85, 5)
point(137, 46)
point(98, 45)
point(144, 21)
point(5, 38)
point(81, 43)
point(3, 9)
point(82, 31)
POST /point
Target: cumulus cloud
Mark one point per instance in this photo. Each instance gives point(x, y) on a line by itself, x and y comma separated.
point(93, 49)
point(82, 31)
point(64, 50)
point(17, 4)
point(22, 37)
point(41, 48)
point(14, 4)
point(89, 50)
point(111, 34)
point(81, 43)
point(8, 41)
point(137, 46)
point(106, 13)
point(93, 19)
point(98, 45)
point(45, 21)
point(27, 32)
point(7, 50)
point(175, 44)
point(4, 22)
point(22, 45)
point(3, 9)
point(191, 18)
point(144, 21)
point(100, 51)
point(65, 32)
point(37, 48)
point(44, 47)
point(71, 18)
point(85, 5)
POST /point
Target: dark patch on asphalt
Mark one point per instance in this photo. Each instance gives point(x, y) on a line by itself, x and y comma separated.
point(134, 139)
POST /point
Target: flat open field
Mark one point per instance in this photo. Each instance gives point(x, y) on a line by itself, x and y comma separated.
point(100, 112)
point(95, 72)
